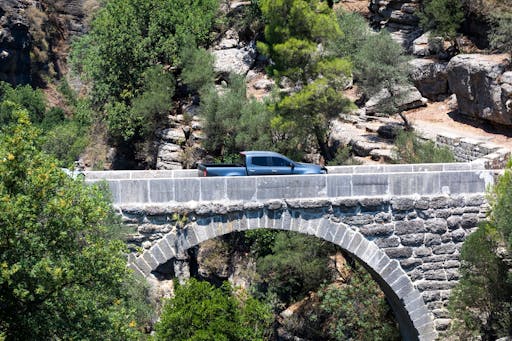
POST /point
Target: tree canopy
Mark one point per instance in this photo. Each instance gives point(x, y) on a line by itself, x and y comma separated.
point(60, 277)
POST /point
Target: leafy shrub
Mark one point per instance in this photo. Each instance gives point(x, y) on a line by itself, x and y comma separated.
point(28, 98)
point(501, 31)
point(410, 149)
point(199, 311)
point(197, 68)
point(65, 141)
point(443, 17)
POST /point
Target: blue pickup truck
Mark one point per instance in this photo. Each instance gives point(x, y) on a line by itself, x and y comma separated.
point(260, 163)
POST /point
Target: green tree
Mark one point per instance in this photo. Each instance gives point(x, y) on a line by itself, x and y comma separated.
point(31, 100)
point(296, 33)
point(60, 278)
point(482, 301)
point(443, 17)
point(233, 122)
point(199, 311)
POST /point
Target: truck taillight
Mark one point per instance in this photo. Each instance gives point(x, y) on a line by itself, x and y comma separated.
point(205, 173)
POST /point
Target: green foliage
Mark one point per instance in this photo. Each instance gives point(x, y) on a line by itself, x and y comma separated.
point(60, 278)
point(197, 68)
point(501, 31)
point(234, 123)
point(31, 100)
point(410, 149)
point(355, 33)
point(380, 64)
point(443, 17)
point(147, 109)
point(65, 142)
point(296, 265)
point(129, 36)
point(344, 157)
point(292, 31)
point(199, 311)
point(482, 301)
point(357, 309)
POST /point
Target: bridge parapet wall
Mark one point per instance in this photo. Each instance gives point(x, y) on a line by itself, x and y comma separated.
point(341, 182)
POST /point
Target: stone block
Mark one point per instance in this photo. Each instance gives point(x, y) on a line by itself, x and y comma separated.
point(453, 222)
point(389, 242)
point(158, 254)
point(412, 239)
point(370, 184)
point(241, 188)
point(402, 184)
point(377, 230)
point(150, 260)
point(187, 189)
point(436, 226)
point(427, 167)
point(402, 203)
point(399, 252)
point(143, 265)
point(410, 263)
point(444, 249)
point(409, 227)
point(133, 191)
point(213, 188)
point(435, 275)
point(161, 191)
point(432, 239)
point(339, 185)
point(462, 182)
point(422, 251)
point(299, 186)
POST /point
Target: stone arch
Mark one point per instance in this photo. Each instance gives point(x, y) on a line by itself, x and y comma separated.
point(414, 319)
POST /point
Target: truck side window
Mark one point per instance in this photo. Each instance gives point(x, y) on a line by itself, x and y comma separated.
point(259, 161)
point(279, 162)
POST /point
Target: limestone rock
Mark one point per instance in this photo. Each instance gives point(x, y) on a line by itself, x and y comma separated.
point(406, 97)
point(234, 60)
point(169, 157)
point(430, 77)
point(482, 86)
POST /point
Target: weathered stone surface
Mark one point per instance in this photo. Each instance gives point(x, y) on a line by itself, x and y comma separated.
point(436, 225)
point(406, 98)
point(412, 239)
point(399, 252)
point(407, 227)
point(377, 230)
point(430, 78)
point(234, 60)
point(475, 80)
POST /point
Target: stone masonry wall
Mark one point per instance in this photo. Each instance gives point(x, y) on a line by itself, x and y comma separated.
point(472, 150)
point(423, 233)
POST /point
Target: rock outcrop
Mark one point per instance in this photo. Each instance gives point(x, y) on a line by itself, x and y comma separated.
point(35, 36)
point(15, 43)
point(430, 78)
point(483, 86)
point(398, 16)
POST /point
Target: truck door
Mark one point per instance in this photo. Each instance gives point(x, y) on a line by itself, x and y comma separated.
point(281, 166)
point(260, 165)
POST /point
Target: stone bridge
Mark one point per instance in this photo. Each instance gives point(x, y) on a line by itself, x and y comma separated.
point(404, 223)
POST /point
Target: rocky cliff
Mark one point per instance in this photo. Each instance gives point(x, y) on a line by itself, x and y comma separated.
point(35, 37)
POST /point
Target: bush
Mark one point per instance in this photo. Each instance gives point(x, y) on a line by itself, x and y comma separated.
point(410, 149)
point(31, 100)
point(199, 311)
point(501, 31)
point(443, 17)
point(65, 141)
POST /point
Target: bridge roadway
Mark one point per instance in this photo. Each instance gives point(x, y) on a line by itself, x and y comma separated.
point(405, 223)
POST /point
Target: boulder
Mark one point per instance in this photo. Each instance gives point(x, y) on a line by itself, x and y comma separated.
point(169, 157)
point(234, 60)
point(430, 78)
point(482, 86)
point(405, 97)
